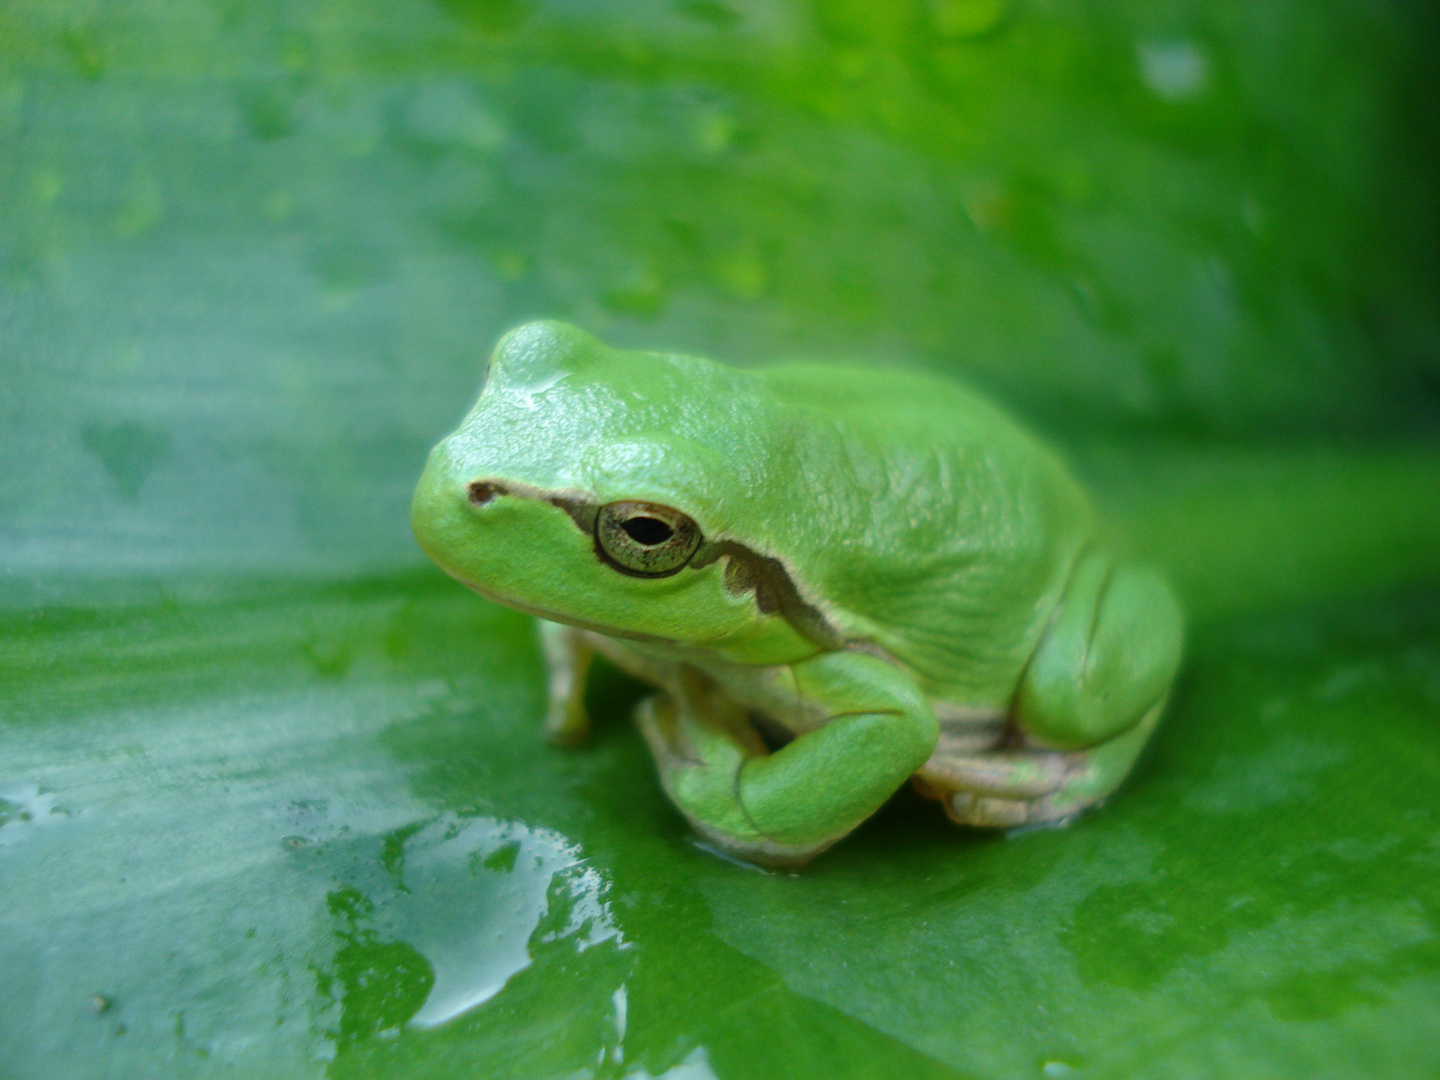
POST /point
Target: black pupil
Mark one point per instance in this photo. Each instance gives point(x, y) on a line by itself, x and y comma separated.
point(647, 530)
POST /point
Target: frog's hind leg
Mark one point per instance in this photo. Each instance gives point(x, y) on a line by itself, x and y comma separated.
point(1032, 785)
point(1088, 701)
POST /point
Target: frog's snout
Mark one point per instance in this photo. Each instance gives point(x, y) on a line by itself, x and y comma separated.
point(436, 510)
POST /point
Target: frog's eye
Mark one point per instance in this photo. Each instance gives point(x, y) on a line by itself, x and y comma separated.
point(645, 539)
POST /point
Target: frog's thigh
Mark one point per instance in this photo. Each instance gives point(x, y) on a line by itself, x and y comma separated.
point(1087, 703)
point(1107, 657)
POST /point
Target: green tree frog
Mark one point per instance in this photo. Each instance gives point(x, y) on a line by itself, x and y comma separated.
point(836, 578)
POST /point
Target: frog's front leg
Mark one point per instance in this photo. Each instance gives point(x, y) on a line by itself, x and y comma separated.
point(785, 807)
point(568, 654)
point(1087, 703)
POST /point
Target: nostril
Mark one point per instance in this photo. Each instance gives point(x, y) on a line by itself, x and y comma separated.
point(481, 492)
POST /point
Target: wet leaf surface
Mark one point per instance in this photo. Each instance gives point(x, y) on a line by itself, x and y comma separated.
point(269, 864)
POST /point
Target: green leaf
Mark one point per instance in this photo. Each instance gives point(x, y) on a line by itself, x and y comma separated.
point(269, 861)
point(273, 797)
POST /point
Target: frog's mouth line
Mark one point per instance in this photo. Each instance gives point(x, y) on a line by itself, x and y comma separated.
point(542, 613)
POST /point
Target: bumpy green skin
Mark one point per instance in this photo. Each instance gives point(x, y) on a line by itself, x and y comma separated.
point(893, 580)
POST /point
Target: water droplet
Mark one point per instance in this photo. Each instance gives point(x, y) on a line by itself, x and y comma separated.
point(696, 1066)
point(643, 296)
point(129, 450)
point(966, 18)
point(26, 808)
point(713, 12)
point(742, 273)
point(1173, 70)
point(621, 1000)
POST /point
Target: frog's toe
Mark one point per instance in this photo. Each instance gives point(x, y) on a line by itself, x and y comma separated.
point(655, 717)
point(1009, 788)
point(1010, 774)
point(989, 812)
point(1005, 790)
point(1032, 786)
point(986, 811)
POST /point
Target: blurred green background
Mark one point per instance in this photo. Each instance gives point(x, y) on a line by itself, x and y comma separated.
point(273, 800)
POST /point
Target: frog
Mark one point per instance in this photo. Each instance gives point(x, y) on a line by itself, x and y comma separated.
point(832, 578)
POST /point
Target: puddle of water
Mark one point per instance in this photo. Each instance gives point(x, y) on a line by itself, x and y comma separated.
point(475, 892)
point(696, 1066)
point(177, 884)
point(25, 808)
point(465, 897)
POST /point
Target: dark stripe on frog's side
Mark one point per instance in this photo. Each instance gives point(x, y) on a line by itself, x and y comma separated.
point(746, 570)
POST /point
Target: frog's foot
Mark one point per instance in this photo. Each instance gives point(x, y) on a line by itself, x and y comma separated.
point(699, 757)
point(786, 806)
point(1031, 785)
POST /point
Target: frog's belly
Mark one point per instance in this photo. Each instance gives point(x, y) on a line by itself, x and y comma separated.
point(771, 692)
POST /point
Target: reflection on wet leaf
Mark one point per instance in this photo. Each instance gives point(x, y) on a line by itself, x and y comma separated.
point(451, 921)
point(484, 887)
point(382, 983)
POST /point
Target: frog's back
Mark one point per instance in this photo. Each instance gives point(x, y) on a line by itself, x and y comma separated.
point(948, 529)
point(896, 405)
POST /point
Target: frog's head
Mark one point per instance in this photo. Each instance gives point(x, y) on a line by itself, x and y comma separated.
point(605, 488)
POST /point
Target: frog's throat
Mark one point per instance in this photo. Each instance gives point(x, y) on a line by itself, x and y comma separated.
point(746, 570)
point(568, 620)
